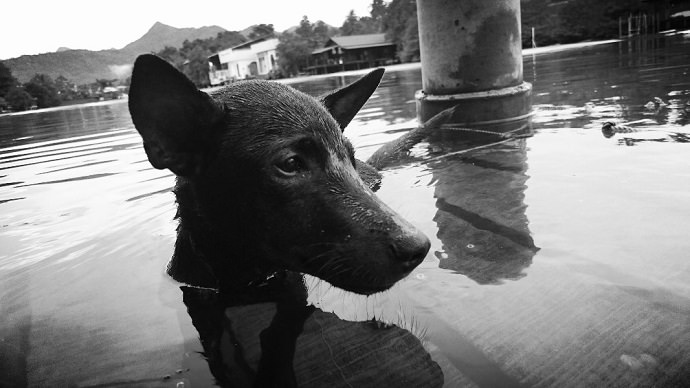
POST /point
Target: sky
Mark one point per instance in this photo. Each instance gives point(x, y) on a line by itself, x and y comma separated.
point(40, 26)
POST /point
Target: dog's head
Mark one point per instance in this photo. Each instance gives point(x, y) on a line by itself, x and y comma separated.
point(269, 179)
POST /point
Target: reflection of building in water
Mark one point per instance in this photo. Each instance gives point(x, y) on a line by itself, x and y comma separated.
point(481, 212)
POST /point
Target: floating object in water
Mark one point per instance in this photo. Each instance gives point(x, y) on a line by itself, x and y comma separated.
point(631, 362)
point(655, 104)
point(636, 363)
point(610, 128)
point(648, 359)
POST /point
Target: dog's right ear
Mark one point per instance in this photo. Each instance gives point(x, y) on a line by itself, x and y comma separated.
point(176, 120)
point(344, 103)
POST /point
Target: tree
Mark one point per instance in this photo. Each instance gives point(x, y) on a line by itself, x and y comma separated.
point(574, 21)
point(410, 46)
point(595, 19)
point(378, 12)
point(19, 99)
point(293, 53)
point(196, 67)
point(7, 80)
point(305, 28)
point(322, 32)
point(400, 14)
point(226, 40)
point(172, 55)
point(357, 26)
point(544, 19)
point(294, 49)
point(261, 30)
point(65, 89)
point(42, 87)
point(349, 26)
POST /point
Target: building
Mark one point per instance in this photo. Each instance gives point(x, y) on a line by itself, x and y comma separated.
point(351, 53)
point(254, 59)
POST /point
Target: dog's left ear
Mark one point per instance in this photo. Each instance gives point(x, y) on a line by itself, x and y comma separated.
point(344, 103)
point(176, 120)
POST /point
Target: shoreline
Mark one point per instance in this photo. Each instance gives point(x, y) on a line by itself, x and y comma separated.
point(417, 65)
point(567, 46)
point(390, 68)
point(65, 107)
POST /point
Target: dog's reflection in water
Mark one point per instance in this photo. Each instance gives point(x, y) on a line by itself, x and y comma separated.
point(266, 335)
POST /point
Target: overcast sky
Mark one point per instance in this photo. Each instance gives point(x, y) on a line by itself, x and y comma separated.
point(39, 26)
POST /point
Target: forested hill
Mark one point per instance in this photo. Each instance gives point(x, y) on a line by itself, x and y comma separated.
point(84, 66)
point(79, 66)
point(161, 35)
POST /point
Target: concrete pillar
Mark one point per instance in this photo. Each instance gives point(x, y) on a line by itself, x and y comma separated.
point(471, 53)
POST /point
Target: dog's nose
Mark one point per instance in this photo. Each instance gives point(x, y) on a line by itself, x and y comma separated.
point(411, 250)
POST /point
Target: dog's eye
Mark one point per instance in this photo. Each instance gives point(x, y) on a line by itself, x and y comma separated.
point(290, 166)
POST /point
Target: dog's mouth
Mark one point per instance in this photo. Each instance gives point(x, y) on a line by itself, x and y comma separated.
point(364, 271)
point(368, 290)
point(358, 287)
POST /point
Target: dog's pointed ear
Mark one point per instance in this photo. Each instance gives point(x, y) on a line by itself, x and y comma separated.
point(176, 120)
point(344, 103)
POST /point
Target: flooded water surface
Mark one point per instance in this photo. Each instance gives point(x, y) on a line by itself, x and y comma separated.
point(557, 260)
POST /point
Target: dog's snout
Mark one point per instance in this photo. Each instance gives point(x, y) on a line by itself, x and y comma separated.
point(411, 250)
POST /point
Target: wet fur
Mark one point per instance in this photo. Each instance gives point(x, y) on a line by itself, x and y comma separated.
point(243, 211)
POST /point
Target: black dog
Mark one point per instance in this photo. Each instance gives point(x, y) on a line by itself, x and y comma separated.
point(267, 182)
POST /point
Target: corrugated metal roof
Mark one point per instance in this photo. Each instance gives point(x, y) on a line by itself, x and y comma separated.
point(359, 41)
point(321, 50)
point(248, 44)
point(355, 42)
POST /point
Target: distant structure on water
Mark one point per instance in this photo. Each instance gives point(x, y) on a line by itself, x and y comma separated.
point(254, 59)
point(259, 58)
point(656, 16)
point(351, 53)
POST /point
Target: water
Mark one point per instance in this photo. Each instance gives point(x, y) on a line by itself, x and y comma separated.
point(556, 260)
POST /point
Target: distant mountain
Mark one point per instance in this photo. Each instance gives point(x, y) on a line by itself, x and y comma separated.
point(85, 66)
point(161, 35)
point(61, 49)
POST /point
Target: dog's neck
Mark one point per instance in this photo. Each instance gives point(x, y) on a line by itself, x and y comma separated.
point(205, 256)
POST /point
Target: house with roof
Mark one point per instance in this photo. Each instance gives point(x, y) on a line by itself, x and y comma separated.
point(253, 59)
point(351, 53)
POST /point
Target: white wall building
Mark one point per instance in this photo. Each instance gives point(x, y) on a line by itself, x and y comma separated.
point(254, 59)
